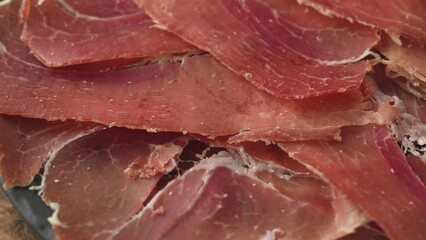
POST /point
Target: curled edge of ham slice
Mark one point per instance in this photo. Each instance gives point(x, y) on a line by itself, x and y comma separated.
point(396, 18)
point(371, 170)
point(209, 198)
point(410, 127)
point(406, 65)
point(59, 35)
point(86, 186)
point(25, 144)
point(249, 48)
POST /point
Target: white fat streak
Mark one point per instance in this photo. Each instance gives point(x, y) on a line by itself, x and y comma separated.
point(54, 220)
point(75, 12)
point(40, 2)
point(5, 2)
point(366, 53)
point(395, 37)
point(351, 216)
point(271, 234)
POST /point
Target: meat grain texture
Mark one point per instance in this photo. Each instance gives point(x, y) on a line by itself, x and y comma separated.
point(227, 119)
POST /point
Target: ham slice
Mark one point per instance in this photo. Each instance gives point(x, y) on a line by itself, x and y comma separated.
point(85, 184)
point(218, 199)
point(67, 32)
point(411, 127)
point(26, 143)
point(396, 17)
point(279, 46)
point(418, 166)
point(406, 61)
point(191, 94)
point(369, 168)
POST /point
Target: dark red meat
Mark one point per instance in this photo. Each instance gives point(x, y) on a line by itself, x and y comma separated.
point(68, 32)
point(396, 17)
point(26, 143)
point(278, 46)
point(195, 94)
point(218, 199)
point(371, 170)
point(86, 185)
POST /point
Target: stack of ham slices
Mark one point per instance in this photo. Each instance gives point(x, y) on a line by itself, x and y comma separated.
point(218, 119)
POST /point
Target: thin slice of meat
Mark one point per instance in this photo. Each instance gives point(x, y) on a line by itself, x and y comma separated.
point(103, 9)
point(273, 154)
point(411, 125)
point(407, 61)
point(412, 105)
point(277, 45)
point(26, 143)
point(369, 168)
point(418, 166)
point(191, 94)
point(86, 185)
point(218, 199)
point(64, 32)
point(396, 17)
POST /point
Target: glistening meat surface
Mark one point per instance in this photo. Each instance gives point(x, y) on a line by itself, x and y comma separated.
point(369, 168)
point(86, 185)
point(68, 32)
point(278, 46)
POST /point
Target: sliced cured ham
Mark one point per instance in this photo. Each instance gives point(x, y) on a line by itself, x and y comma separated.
point(418, 166)
point(195, 94)
point(396, 17)
point(411, 127)
point(84, 182)
point(407, 61)
point(371, 170)
point(288, 50)
point(218, 199)
point(67, 32)
point(26, 143)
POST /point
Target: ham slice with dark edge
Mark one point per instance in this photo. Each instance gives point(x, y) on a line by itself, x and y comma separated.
point(396, 17)
point(369, 168)
point(278, 46)
point(195, 95)
point(26, 143)
point(68, 32)
point(219, 199)
point(86, 185)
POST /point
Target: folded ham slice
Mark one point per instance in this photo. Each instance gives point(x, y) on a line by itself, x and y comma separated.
point(26, 143)
point(396, 17)
point(84, 182)
point(278, 46)
point(369, 168)
point(411, 124)
point(219, 199)
point(190, 94)
point(68, 32)
point(407, 61)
